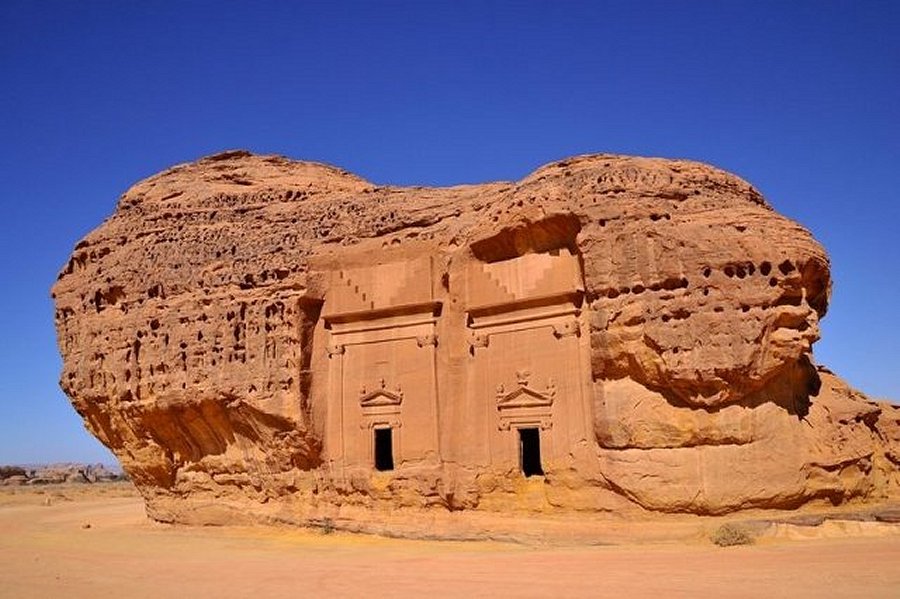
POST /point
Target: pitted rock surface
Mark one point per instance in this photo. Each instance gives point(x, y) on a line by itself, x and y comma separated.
point(241, 326)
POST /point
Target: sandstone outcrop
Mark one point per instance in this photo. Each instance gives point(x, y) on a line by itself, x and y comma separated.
point(51, 474)
point(263, 339)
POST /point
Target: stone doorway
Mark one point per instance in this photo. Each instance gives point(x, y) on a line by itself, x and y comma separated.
point(384, 449)
point(530, 452)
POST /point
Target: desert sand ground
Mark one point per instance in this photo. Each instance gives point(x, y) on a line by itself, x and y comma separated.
point(95, 541)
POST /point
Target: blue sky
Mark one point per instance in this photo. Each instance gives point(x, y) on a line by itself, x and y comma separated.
point(800, 98)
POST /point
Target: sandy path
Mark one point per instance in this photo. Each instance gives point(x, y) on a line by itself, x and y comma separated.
point(45, 551)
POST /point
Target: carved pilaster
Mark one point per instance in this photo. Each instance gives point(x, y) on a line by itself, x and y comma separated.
point(335, 350)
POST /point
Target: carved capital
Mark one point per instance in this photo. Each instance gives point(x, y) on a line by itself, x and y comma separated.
point(335, 350)
point(479, 340)
point(426, 340)
point(567, 329)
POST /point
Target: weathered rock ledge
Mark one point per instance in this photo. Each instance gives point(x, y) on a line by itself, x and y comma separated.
point(260, 339)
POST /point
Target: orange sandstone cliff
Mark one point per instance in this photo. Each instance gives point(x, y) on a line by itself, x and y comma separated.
point(260, 339)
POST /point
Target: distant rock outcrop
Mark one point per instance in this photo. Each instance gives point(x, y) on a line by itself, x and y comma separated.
point(48, 474)
point(263, 339)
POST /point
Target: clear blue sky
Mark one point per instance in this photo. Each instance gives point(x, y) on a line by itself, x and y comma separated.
point(800, 98)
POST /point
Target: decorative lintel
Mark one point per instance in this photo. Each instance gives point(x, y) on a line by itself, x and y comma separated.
point(381, 396)
point(377, 422)
point(525, 396)
point(544, 423)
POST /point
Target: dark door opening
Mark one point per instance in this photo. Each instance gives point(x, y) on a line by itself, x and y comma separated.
point(530, 452)
point(384, 449)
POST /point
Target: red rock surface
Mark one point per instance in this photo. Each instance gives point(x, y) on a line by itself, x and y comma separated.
point(241, 326)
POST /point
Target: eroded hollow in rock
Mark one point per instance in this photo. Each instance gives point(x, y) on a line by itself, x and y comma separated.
point(544, 235)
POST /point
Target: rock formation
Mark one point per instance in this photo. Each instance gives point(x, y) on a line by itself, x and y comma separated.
point(53, 474)
point(263, 339)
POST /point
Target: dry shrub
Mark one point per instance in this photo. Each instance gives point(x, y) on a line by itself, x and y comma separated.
point(729, 535)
